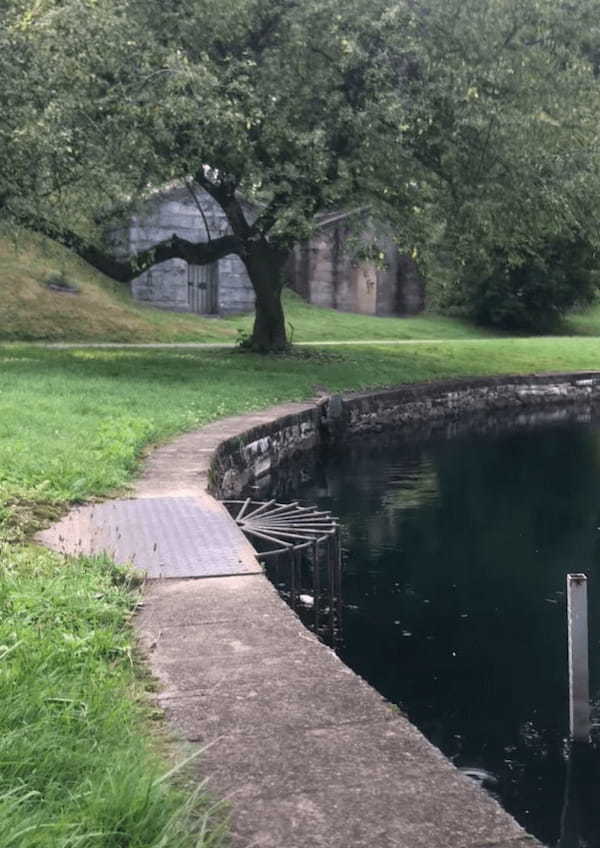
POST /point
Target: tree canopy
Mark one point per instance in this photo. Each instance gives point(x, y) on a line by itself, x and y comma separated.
point(470, 125)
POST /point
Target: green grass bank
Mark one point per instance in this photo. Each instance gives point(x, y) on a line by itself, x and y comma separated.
point(103, 310)
point(77, 764)
point(73, 423)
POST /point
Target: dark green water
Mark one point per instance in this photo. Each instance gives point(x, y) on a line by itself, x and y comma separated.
point(453, 590)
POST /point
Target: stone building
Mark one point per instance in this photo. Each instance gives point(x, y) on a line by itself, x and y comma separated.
point(324, 270)
point(221, 288)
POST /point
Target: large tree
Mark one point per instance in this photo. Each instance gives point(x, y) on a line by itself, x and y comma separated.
point(471, 124)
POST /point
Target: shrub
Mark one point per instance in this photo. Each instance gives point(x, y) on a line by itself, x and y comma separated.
point(532, 293)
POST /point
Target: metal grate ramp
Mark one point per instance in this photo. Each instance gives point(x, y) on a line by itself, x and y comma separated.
point(163, 537)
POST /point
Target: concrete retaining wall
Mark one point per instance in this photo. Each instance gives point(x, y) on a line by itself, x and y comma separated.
point(415, 405)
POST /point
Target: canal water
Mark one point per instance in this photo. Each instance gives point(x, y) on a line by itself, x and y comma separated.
point(457, 544)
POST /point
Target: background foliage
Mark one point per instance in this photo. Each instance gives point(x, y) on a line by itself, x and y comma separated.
point(471, 125)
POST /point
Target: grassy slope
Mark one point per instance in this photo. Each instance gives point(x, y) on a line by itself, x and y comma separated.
point(103, 311)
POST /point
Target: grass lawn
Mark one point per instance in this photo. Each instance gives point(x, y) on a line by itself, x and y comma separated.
point(73, 422)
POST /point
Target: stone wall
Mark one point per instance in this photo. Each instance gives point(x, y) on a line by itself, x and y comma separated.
point(324, 272)
point(166, 284)
point(254, 454)
point(420, 404)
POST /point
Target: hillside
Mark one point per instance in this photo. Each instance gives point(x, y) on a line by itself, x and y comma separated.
point(103, 310)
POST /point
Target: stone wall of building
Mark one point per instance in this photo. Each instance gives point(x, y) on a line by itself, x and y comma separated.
point(324, 272)
point(174, 211)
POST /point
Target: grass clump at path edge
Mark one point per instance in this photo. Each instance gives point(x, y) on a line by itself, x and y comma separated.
point(76, 769)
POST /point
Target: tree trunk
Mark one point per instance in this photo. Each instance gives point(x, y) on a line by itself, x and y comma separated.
point(265, 264)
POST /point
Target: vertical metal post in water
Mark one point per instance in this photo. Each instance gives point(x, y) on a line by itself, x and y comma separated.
point(579, 687)
point(316, 583)
point(331, 578)
point(337, 547)
point(293, 589)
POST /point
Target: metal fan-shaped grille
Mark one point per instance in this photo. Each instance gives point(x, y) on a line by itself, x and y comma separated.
point(281, 527)
point(302, 554)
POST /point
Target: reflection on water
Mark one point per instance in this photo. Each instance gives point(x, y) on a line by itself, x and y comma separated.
point(453, 587)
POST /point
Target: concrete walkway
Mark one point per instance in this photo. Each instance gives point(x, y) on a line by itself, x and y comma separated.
point(232, 345)
point(309, 755)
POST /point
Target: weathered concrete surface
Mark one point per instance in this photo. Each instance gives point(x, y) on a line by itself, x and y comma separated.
point(308, 753)
point(171, 527)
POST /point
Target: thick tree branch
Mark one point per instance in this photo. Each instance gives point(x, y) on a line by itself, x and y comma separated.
point(126, 269)
point(194, 253)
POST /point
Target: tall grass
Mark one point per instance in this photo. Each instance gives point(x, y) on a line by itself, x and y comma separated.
point(76, 769)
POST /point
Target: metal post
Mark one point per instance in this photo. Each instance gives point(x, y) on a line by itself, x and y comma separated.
point(339, 569)
point(316, 583)
point(331, 577)
point(293, 591)
point(579, 687)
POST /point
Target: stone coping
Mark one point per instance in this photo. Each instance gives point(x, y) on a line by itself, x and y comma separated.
point(246, 453)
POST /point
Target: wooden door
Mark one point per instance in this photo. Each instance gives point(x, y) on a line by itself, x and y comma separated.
point(202, 289)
